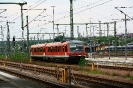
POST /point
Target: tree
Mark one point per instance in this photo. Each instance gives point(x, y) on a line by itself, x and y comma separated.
point(59, 38)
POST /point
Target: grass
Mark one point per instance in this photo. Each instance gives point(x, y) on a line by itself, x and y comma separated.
point(115, 74)
point(2, 56)
point(106, 73)
point(129, 76)
point(94, 72)
point(16, 56)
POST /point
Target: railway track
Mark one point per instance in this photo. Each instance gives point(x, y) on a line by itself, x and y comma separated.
point(125, 66)
point(76, 77)
point(101, 82)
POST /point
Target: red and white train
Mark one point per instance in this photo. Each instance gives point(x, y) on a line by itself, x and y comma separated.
point(68, 51)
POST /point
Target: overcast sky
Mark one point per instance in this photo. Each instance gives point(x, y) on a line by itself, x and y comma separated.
point(85, 11)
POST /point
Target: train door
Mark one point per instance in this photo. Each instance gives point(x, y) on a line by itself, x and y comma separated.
point(64, 49)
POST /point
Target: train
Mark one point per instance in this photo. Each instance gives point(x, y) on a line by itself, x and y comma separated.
point(66, 51)
point(118, 48)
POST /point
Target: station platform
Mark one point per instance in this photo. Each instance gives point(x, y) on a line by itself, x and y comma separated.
point(112, 59)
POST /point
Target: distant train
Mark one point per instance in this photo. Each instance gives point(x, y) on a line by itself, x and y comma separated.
point(119, 48)
point(68, 51)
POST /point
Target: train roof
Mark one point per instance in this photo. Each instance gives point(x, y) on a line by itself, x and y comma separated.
point(56, 43)
point(63, 43)
point(75, 41)
point(38, 45)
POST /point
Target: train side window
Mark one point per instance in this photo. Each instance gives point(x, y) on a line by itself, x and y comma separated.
point(35, 50)
point(65, 48)
point(43, 49)
point(48, 49)
point(56, 49)
point(38, 49)
point(53, 49)
point(59, 48)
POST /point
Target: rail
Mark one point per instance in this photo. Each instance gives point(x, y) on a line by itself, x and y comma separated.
point(113, 63)
point(37, 72)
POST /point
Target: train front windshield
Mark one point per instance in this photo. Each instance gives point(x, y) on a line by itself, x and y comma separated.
point(76, 47)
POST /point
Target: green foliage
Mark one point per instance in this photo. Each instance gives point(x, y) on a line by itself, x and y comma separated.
point(19, 56)
point(82, 62)
point(128, 75)
point(59, 38)
point(95, 72)
point(131, 77)
point(115, 74)
point(2, 56)
point(132, 51)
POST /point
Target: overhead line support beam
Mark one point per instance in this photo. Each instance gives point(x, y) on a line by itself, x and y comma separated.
point(21, 4)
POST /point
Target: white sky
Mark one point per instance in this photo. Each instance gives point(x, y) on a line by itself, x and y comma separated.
point(84, 12)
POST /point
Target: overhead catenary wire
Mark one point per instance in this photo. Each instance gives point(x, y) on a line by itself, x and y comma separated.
point(28, 10)
point(31, 8)
point(57, 14)
point(35, 18)
point(79, 11)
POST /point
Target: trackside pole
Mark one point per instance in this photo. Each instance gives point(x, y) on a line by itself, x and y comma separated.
point(30, 60)
point(57, 72)
point(97, 66)
point(65, 75)
point(4, 64)
point(92, 67)
point(69, 75)
point(62, 75)
point(34, 69)
point(21, 66)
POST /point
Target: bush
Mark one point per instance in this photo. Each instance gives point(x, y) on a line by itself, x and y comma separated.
point(19, 56)
point(83, 62)
point(128, 75)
